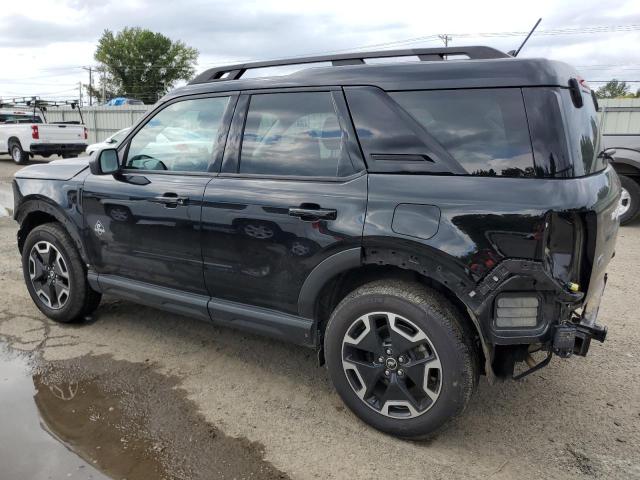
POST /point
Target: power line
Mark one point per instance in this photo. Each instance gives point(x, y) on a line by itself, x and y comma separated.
point(426, 38)
point(613, 80)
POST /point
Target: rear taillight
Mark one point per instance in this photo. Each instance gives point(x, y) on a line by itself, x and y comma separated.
point(564, 246)
point(35, 134)
point(86, 133)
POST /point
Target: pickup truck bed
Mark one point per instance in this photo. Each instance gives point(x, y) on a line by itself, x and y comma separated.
point(22, 140)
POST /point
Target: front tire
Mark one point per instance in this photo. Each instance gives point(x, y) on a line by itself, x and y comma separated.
point(18, 155)
point(55, 275)
point(399, 356)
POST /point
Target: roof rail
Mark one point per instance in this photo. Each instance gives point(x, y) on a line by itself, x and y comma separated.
point(234, 72)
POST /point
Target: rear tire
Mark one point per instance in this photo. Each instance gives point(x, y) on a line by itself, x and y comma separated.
point(55, 275)
point(630, 200)
point(432, 357)
point(18, 155)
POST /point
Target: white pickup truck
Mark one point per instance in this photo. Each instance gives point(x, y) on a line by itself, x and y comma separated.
point(25, 133)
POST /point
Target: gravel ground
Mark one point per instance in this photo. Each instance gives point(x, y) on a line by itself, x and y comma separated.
point(577, 418)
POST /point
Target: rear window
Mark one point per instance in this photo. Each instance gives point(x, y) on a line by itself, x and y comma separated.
point(584, 134)
point(485, 130)
point(9, 118)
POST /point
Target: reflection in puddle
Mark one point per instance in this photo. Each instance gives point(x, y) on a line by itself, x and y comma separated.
point(98, 418)
point(27, 451)
point(92, 424)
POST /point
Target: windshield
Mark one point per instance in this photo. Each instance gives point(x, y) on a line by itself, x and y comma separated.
point(117, 137)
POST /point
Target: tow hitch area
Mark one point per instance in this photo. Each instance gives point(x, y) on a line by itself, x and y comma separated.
point(584, 334)
point(571, 339)
point(568, 339)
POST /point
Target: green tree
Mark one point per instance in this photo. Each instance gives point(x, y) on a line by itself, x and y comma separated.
point(613, 89)
point(143, 64)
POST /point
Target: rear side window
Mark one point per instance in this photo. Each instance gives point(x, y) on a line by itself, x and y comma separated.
point(485, 130)
point(293, 134)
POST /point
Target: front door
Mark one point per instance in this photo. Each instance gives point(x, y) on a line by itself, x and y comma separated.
point(292, 192)
point(144, 222)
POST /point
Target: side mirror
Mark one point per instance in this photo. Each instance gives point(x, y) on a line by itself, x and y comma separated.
point(105, 162)
point(608, 154)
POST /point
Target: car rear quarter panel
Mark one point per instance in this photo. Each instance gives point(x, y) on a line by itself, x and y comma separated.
point(482, 222)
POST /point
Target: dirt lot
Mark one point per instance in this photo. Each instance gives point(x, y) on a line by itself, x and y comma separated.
point(207, 402)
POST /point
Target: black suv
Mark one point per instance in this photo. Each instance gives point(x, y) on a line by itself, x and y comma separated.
point(418, 223)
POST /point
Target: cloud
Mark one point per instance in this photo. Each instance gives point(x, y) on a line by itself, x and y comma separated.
point(22, 31)
point(63, 34)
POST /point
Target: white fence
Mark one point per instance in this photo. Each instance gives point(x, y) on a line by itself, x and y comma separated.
point(621, 116)
point(102, 122)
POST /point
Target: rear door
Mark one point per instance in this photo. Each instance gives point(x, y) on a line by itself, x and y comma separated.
point(144, 222)
point(292, 192)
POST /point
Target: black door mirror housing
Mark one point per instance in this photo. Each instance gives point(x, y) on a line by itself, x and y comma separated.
point(105, 163)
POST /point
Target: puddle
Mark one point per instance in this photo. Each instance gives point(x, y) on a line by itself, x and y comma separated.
point(28, 451)
point(96, 418)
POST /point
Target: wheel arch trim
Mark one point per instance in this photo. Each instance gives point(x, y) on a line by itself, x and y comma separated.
point(625, 165)
point(322, 273)
point(347, 260)
point(38, 204)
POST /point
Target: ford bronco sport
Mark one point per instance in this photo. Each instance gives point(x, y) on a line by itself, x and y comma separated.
point(418, 223)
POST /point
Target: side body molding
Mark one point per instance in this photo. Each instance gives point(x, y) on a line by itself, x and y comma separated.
point(263, 321)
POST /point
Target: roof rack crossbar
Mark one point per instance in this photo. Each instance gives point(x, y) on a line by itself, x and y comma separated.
point(234, 72)
point(36, 102)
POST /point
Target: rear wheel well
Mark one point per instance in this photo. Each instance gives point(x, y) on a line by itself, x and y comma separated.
point(342, 284)
point(12, 140)
point(628, 171)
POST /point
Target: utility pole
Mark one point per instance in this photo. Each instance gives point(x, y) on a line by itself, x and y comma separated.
point(445, 38)
point(90, 70)
point(104, 86)
point(80, 90)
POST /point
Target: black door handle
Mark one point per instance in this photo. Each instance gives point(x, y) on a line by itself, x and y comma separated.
point(171, 199)
point(311, 214)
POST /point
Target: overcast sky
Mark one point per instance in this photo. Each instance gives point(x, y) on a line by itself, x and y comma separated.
point(43, 43)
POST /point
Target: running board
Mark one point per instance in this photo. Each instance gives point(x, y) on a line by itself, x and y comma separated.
point(263, 321)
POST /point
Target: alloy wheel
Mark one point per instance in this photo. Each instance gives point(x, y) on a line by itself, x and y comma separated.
point(391, 365)
point(299, 249)
point(260, 232)
point(16, 154)
point(49, 275)
point(119, 214)
point(625, 202)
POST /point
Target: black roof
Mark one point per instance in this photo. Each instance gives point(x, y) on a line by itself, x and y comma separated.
point(437, 69)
